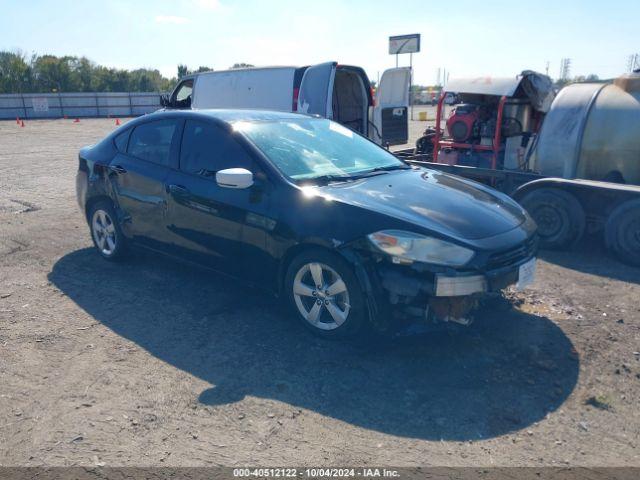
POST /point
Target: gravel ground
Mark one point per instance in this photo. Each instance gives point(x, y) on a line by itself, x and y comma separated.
point(153, 362)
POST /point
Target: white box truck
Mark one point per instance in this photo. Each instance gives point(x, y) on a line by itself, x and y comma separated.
point(340, 92)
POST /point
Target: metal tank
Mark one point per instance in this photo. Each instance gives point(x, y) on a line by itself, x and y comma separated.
point(592, 131)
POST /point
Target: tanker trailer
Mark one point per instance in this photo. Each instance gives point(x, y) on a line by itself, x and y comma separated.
point(589, 146)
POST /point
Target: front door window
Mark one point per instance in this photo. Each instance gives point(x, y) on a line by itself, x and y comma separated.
point(183, 95)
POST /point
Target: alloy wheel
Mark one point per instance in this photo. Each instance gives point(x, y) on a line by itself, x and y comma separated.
point(104, 232)
point(321, 296)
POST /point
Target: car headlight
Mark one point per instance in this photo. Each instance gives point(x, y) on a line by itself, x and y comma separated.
point(406, 247)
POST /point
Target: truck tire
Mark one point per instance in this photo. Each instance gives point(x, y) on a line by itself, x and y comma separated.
point(622, 232)
point(559, 216)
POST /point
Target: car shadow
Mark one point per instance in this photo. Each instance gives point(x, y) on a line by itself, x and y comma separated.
point(591, 256)
point(503, 373)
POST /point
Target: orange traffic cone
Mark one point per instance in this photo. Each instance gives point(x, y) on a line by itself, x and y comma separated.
point(77, 120)
point(18, 120)
point(22, 123)
point(117, 122)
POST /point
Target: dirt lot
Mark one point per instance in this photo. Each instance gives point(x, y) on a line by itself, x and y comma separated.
point(156, 363)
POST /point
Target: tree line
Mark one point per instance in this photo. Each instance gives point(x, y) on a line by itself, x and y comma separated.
point(52, 74)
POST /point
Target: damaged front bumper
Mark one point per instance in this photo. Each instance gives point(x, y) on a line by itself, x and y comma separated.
point(396, 292)
point(448, 295)
point(492, 281)
point(407, 282)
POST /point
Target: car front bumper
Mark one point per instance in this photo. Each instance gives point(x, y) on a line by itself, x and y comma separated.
point(418, 289)
point(394, 290)
point(491, 281)
point(443, 297)
point(404, 283)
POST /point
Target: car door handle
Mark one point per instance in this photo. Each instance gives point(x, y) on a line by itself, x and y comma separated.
point(178, 189)
point(118, 169)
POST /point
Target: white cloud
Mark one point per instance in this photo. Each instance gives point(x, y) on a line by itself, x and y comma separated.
point(209, 4)
point(168, 71)
point(174, 19)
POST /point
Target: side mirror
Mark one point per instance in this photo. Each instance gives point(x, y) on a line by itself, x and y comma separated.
point(234, 178)
point(164, 100)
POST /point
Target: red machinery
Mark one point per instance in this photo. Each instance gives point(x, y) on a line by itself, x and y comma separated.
point(493, 122)
point(462, 122)
point(441, 142)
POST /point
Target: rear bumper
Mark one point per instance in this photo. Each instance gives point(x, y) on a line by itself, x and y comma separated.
point(81, 189)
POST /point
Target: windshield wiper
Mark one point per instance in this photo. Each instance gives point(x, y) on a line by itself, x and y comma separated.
point(359, 175)
point(379, 171)
point(330, 178)
point(389, 168)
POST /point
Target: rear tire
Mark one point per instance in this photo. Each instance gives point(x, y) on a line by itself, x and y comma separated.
point(622, 232)
point(559, 216)
point(106, 233)
point(614, 177)
point(335, 310)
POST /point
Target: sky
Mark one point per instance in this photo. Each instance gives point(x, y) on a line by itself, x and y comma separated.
point(467, 38)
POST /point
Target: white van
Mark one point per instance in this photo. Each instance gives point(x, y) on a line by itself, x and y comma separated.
point(339, 92)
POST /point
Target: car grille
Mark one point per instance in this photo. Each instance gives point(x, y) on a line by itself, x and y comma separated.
point(514, 255)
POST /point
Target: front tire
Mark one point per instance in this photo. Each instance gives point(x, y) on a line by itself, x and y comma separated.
point(324, 294)
point(105, 231)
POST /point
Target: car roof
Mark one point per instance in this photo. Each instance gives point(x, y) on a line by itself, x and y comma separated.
point(233, 115)
point(221, 116)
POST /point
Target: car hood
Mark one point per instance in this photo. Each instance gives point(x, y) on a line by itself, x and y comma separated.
point(433, 200)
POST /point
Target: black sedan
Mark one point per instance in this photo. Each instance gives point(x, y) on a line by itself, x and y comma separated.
point(349, 235)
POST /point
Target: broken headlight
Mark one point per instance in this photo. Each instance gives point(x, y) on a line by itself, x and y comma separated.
point(407, 247)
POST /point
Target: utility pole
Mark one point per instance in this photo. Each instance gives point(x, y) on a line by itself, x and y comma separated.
point(411, 83)
point(547, 69)
point(565, 69)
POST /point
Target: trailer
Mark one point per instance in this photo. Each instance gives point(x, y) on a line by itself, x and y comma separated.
point(572, 161)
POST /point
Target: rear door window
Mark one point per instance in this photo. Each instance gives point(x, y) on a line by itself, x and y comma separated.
point(207, 149)
point(121, 141)
point(151, 141)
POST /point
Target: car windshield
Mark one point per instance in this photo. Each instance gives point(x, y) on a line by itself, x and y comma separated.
point(313, 148)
